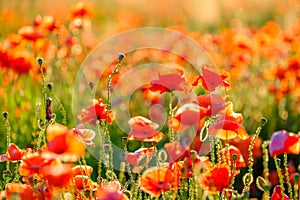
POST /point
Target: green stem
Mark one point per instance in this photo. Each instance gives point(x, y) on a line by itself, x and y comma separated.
point(287, 176)
point(115, 70)
point(281, 182)
point(101, 143)
point(8, 135)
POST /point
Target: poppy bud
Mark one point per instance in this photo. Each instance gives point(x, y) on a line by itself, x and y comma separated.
point(263, 121)
point(40, 61)
point(91, 84)
point(234, 157)
point(49, 114)
point(124, 140)
point(50, 85)
point(5, 114)
point(121, 56)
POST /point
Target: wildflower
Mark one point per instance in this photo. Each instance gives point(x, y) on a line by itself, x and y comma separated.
point(109, 192)
point(97, 111)
point(157, 179)
point(143, 129)
point(228, 125)
point(284, 142)
point(85, 135)
point(173, 81)
point(23, 191)
point(214, 103)
point(82, 9)
point(84, 182)
point(211, 80)
point(57, 174)
point(63, 142)
point(240, 162)
point(188, 115)
point(216, 178)
point(29, 33)
point(176, 151)
point(14, 153)
point(277, 195)
point(82, 170)
point(140, 158)
point(243, 146)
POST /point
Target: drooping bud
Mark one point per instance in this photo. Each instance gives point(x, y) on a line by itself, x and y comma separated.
point(49, 113)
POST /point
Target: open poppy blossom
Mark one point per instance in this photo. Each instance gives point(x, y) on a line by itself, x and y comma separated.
point(243, 146)
point(82, 170)
point(140, 158)
point(284, 142)
point(214, 103)
point(240, 162)
point(57, 174)
point(157, 179)
point(170, 82)
point(176, 151)
point(227, 129)
point(14, 153)
point(188, 115)
point(277, 194)
point(83, 182)
point(32, 163)
point(64, 142)
point(216, 178)
point(96, 111)
point(211, 80)
point(143, 129)
point(84, 134)
point(110, 193)
point(23, 191)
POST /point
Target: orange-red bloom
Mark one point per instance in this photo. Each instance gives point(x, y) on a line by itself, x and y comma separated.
point(143, 129)
point(57, 174)
point(216, 178)
point(188, 115)
point(97, 111)
point(214, 103)
point(157, 179)
point(23, 191)
point(226, 130)
point(84, 134)
point(284, 142)
point(240, 162)
point(64, 142)
point(277, 194)
point(176, 151)
point(211, 80)
point(170, 82)
point(140, 158)
point(14, 153)
point(109, 193)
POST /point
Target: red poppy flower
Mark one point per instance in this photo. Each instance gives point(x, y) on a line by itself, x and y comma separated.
point(24, 192)
point(29, 33)
point(82, 170)
point(213, 102)
point(14, 153)
point(227, 129)
point(277, 194)
point(57, 174)
point(97, 111)
point(64, 142)
point(32, 163)
point(104, 193)
point(143, 129)
point(284, 142)
point(243, 146)
point(84, 182)
point(85, 135)
point(240, 162)
point(140, 158)
point(216, 178)
point(170, 82)
point(188, 115)
point(157, 179)
point(82, 9)
point(211, 80)
point(176, 151)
